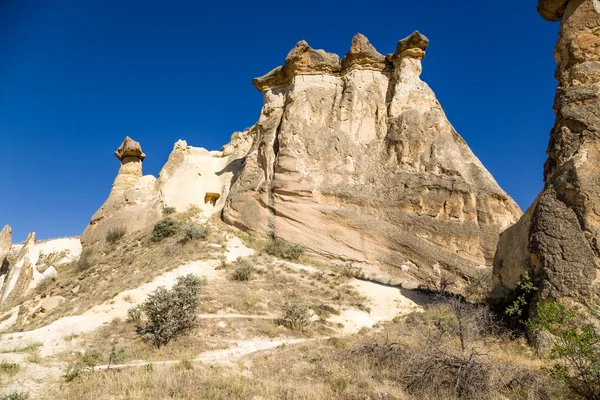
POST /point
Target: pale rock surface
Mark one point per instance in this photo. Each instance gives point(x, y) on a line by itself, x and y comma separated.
point(20, 275)
point(357, 161)
point(557, 241)
point(51, 303)
point(134, 201)
point(5, 246)
point(194, 176)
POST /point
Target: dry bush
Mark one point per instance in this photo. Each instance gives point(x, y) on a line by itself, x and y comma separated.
point(114, 235)
point(243, 270)
point(194, 231)
point(282, 249)
point(296, 315)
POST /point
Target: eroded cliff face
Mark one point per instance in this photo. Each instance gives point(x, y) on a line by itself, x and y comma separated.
point(356, 160)
point(557, 240)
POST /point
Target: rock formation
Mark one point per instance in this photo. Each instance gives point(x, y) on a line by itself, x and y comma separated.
point(557, 241)
point(20, 274)
point(356, 160)
point(34, 262)
point(133, 202)
point(192, 176)
point(5, 245)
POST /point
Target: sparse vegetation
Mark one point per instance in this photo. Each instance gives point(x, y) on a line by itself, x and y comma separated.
point(10, 369)
point(114, 235)
point(243, 270)
point(15, 396)
point(574, 346)
point(85, 362)
point(171, 313)
point(134, 314)
point(165, 228)
point(282, 249)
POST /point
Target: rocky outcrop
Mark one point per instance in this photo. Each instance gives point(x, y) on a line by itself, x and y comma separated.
point(557, 241)
point(20, 275)
point(356, 160)
point(5, 245)
point(192, 177)
point(134, 201)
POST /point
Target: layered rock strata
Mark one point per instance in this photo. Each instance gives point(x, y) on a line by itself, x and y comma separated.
point(356, 161)
point(557, 241)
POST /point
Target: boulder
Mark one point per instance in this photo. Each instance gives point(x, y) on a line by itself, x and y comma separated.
point(557, 241)
point(51, 303)
point(357, 162)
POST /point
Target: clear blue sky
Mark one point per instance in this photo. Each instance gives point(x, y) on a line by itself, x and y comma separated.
point(77, 76)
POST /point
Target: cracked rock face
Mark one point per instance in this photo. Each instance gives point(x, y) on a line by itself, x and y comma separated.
point(357, 161)
point(557, 241)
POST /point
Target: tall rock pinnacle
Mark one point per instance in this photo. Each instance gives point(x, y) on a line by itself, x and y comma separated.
point(557, 241)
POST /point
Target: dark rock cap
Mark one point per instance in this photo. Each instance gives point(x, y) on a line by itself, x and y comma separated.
point(130, 148)
point(552, 10)
point(362, 53)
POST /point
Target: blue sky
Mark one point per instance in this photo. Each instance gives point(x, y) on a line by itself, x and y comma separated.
point(77, 76)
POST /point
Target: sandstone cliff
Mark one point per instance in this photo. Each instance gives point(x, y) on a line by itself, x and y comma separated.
point(557, 240)
point(356, 160)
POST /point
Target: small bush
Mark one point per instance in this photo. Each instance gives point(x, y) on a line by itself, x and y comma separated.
point(164, 228)
point(10, 369)
point(171, 313)
point(194, 231)
point(114, 235)
point(243, 270)
point(296, 315)
point(575, 346)
point(86, 361)
point(350, 271)
point(282, 249)
point(168, 211)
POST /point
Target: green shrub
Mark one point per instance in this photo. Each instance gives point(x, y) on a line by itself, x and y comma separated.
point(575, 346)
point(194, 231)
point(171, 313)
point(350, 271)
point(282, 249)
point(86, 361)
point(164, 228)
point(114, 235)
point(168, 211)
point(243, 270)
point(296, 315)
point(520, 297)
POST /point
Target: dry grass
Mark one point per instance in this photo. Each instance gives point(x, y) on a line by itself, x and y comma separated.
point(105, 271)
point(378, 364)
